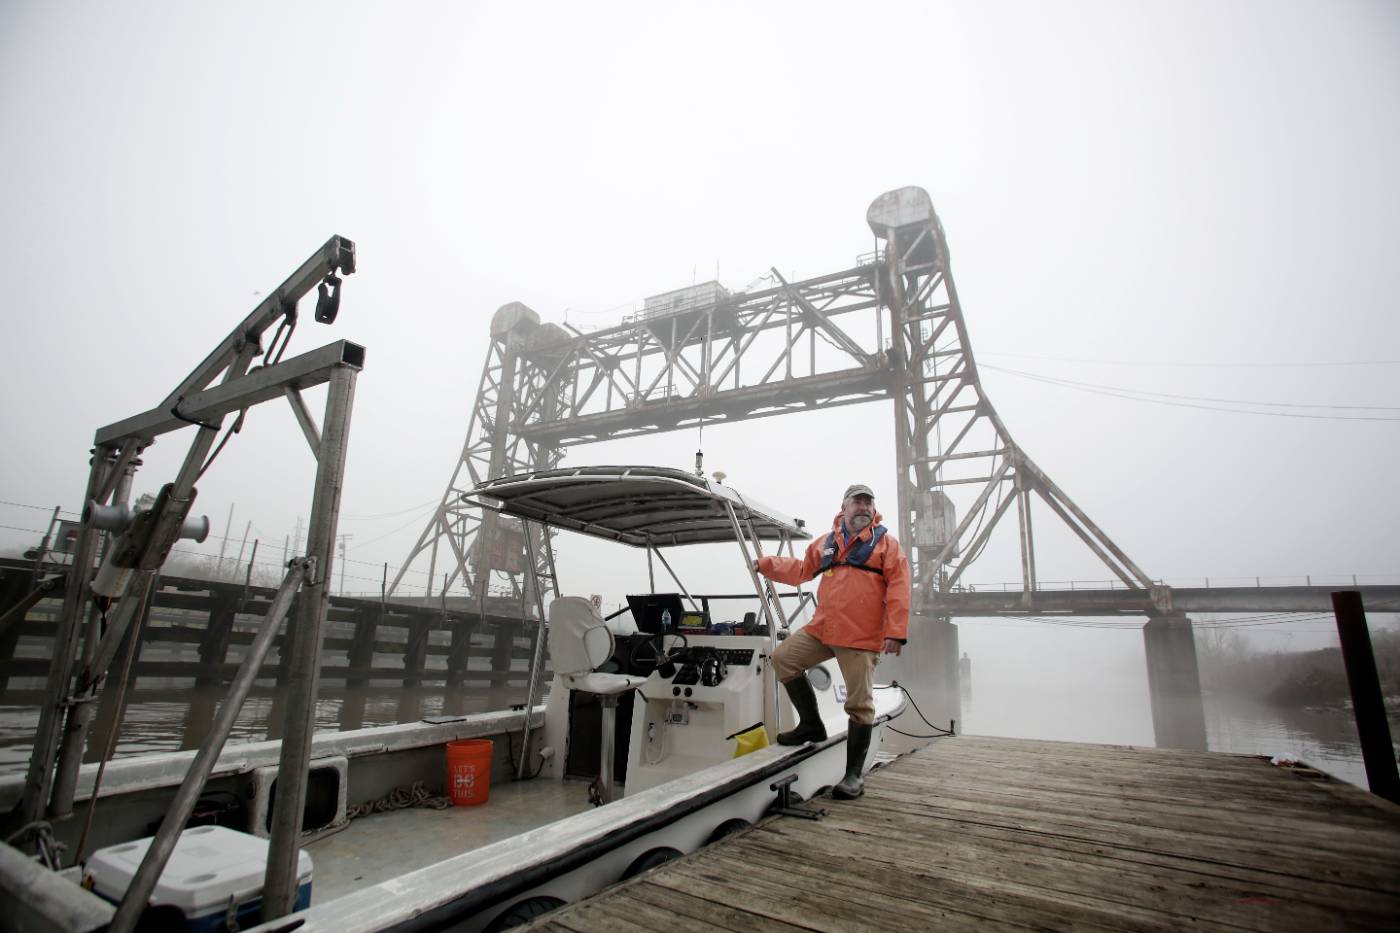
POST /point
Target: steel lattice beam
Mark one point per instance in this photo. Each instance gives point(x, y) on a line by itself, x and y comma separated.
point(765, 353)
point(949, 434)
point(889, 328)
point(492, 449)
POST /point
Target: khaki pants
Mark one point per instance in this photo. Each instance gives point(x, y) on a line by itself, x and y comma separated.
point(802, 651)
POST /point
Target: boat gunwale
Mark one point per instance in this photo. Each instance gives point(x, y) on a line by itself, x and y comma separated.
point(167, 769)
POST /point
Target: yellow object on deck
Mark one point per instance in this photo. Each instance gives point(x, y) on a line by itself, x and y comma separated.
point(751, 740)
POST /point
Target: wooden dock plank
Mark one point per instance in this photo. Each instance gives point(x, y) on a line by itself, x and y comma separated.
point(843, 906)
point(683, 904)
point(987, 833)
point(1190, 832)
point(1280, 802)
point(995, 838)
point(1116, 893)
point(926, 900)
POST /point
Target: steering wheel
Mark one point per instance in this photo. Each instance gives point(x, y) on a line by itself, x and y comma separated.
point(649, 653)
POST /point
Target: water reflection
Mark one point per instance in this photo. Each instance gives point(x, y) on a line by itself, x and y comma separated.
point(1117, 710)
point(1324, 738)
point(180, 719)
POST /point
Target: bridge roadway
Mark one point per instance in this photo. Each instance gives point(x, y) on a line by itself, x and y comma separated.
point(978, 833)
point(1156, 601)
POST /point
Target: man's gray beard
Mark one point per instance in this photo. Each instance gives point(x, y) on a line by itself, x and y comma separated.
point(860, 522)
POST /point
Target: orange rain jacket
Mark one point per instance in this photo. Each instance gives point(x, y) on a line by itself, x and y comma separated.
point(855, 608)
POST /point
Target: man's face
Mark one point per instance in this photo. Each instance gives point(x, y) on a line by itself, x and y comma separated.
point(857, 512)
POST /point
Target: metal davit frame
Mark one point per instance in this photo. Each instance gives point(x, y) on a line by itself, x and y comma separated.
point(105, 604)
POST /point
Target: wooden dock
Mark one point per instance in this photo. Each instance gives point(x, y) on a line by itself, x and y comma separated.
point(1014, 834)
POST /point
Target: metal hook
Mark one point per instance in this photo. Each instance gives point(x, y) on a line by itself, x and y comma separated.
point(328, 300)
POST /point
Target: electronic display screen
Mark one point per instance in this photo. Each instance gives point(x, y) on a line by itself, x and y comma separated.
point(648, 608)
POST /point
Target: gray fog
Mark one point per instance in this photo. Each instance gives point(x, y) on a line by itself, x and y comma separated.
point(1170, 226)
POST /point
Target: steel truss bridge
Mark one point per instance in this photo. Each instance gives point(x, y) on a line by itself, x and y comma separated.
point(890, 328)
point(1191, 600)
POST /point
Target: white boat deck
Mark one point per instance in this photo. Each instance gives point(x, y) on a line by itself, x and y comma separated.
point(382, 846)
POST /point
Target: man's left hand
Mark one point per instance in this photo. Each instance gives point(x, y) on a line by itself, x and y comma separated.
point(893, 646)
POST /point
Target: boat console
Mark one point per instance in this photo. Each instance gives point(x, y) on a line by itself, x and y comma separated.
point(701, 696)
point(701, 691)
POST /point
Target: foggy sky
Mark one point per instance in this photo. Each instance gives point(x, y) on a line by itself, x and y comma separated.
point(1195, 199)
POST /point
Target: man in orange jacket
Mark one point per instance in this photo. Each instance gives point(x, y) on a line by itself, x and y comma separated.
point(862, 611)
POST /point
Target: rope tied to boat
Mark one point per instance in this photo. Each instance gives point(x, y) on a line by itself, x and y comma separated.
point(48, 850)
point(400, 798)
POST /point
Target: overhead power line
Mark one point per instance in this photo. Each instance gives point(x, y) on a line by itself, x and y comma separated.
point(1204, 365)
point(1192, 401)
point(1199, 398)
point(38, 508)
point(412, 508)
point(412, 521)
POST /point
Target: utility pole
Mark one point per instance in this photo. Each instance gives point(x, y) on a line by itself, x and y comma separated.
point(43, 549)
point(343, 539)
point(247, 528)
point(223, 540)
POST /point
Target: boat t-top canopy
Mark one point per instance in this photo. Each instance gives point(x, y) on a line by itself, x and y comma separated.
point(641, 506)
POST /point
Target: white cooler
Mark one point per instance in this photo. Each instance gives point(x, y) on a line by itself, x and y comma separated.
point(213, 870)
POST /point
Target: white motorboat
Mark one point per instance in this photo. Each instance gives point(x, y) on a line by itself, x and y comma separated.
point(655, 737)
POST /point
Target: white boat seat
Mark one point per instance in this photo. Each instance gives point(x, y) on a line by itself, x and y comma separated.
point(579, 643)
point(602, 684)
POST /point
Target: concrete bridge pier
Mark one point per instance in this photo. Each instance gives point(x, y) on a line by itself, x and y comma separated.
point(928, 669)
point(1174, 682)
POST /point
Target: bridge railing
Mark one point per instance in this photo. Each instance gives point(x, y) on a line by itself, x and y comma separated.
point(1333, 579)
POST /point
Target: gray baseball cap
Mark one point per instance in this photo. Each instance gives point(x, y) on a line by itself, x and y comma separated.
point(859, 489)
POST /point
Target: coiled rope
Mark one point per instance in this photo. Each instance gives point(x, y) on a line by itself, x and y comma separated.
point(400, 798)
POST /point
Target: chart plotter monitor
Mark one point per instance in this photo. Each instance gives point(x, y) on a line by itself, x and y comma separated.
point(648, 609)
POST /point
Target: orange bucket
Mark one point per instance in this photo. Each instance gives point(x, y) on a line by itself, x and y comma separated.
point(469, 771)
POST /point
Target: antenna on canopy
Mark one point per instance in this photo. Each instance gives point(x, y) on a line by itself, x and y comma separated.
point(700, 451)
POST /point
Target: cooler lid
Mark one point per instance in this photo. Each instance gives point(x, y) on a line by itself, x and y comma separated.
point(208, 865)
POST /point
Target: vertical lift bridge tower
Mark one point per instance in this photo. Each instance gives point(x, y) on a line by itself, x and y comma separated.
point(888, 328)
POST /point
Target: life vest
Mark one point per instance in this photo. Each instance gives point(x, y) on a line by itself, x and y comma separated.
point(855, 557)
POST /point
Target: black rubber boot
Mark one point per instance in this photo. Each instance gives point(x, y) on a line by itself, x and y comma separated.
point(809, 721)
point(857, 744)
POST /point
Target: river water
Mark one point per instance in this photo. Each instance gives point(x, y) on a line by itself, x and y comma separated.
point(1120, 713)
point(1114, 711)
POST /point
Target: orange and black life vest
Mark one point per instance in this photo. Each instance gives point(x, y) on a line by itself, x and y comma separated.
point(855, 557)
